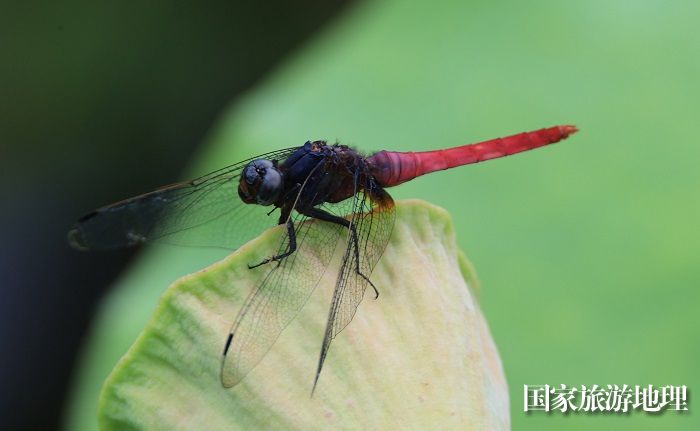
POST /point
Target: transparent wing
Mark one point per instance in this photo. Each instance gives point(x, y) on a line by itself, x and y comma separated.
point(279, 298)
point(373, 215)
point(206, 211)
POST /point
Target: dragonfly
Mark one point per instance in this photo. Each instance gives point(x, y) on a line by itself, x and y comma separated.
point(323, 195)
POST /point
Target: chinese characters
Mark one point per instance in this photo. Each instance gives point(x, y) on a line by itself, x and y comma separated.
point(607, 398)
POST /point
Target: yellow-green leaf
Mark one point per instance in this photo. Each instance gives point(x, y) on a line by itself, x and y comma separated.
point(419, 357)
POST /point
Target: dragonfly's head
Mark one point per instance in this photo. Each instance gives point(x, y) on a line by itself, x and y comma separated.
point(261, 183)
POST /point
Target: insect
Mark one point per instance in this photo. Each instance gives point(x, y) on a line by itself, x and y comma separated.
point(322, 193)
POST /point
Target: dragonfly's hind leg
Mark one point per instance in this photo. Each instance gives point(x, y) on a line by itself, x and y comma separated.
point(326, 216)
point(292, 247)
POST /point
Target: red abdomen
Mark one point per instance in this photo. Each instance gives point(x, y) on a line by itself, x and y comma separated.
point(391, 168)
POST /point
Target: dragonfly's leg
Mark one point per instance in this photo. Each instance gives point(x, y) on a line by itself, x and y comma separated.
point(323, 215)
point(291, 248)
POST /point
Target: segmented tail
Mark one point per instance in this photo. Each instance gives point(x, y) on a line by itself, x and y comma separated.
point(393, 168)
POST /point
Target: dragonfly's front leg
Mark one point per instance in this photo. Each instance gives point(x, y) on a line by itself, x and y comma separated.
point(323, 215)
point(290, 249)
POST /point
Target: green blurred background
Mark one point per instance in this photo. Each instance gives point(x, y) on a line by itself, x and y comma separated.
point(586, 250)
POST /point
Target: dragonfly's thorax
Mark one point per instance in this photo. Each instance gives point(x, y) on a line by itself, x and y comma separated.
point(319, 172)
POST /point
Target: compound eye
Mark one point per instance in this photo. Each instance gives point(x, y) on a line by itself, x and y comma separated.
point(271, 187)
point(251, 174)
point(260, 183)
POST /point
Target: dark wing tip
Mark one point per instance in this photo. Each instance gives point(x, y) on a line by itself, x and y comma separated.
point(87, 216)
point(226, 381)
point(76, 235)
point(228, 343)
point(76, 239)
